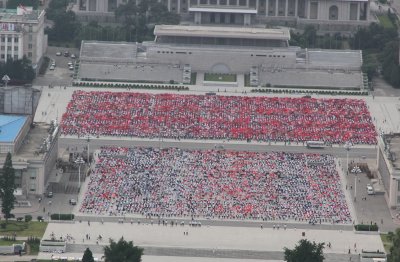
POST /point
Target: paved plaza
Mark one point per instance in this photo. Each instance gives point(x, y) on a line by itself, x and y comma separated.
point(213, 237)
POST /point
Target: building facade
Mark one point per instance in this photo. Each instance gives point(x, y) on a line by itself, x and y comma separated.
point(247, 12)
point(388, 163)
point(22, 34)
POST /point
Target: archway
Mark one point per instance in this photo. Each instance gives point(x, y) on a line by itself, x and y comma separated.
point(333, 12)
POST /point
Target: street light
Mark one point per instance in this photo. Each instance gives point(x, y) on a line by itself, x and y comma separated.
point(347, 146)
point(355, 170)
point(79, 161)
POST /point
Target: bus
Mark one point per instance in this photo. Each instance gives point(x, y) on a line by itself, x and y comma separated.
point(315, 144)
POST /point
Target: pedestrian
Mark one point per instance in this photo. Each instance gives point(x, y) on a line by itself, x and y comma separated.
point(261, 226)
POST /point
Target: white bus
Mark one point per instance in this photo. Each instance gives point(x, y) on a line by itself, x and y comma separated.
point(315, 144)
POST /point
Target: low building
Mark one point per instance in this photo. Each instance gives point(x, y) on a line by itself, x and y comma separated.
point(22, 34)
point(388, 163)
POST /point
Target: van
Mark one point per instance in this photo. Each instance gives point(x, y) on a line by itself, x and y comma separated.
point(370, 190)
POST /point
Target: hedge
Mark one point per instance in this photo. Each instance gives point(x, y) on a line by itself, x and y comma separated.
point(321, 92)
point(362, 227)
point(62, 216)
point(127, 85)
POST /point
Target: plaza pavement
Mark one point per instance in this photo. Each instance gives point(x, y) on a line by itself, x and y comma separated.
point(213, 238)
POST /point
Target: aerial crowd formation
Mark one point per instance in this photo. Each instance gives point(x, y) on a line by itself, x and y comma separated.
point(175, 116)
point(215, 184)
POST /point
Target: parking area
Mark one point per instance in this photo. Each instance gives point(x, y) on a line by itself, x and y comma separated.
point(61, 75)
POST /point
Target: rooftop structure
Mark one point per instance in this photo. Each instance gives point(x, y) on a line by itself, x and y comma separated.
point(222, 32)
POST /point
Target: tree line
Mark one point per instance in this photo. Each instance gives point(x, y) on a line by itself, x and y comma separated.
point(135, 23)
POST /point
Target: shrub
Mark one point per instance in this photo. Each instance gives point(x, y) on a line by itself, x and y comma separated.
point(19, 219)
point(3, 225)
point(62, 216)
point(28, 218)
point(363, 227)
point(39, 218)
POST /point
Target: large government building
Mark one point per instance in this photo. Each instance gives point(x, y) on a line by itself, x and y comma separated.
point(262, 54)
point(329, 13)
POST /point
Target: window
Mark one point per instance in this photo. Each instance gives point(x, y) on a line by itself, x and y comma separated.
point(30, 37)
point(398, 185)
point(15, 48)
point(15, 39)
point(32, 187)
point(8, 48)
point(15, 57)
point(2, 48)
point(29, 54)
point(30, 29)
point(3, 56)
point(398, 200)
point(29, 46)
point(3, 39)
point(9, 39)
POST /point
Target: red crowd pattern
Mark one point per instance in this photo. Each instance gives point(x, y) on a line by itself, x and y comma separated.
point(177, 116)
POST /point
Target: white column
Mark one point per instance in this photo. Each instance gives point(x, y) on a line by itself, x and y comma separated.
point(286, 8)
point(218, 3)
point(12, 46)
point(20, 47)
point(5, 48)
point(179, 7)
point(308, 10)
point(296, 6)
point(87, 5)
point(276, 7)
point(266, 7)
point(169, 5)
point(257, 3)
point(247, 3)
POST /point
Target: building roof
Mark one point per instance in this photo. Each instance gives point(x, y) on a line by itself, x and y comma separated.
point(11, 15)
point(10, 126)
point(221, 32)
point(220, 9)
point(107, 51)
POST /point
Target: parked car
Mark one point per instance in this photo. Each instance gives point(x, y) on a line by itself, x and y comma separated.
point(49, 194)
point(370, 190)
point(70, 63)
point(71, 67)
point(66, 54)
point(58, 54)
point(73, 56)
point(72, 202)
point(52, 67)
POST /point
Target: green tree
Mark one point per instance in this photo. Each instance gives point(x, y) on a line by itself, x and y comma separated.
point(305, 251)
point(394, 255)
point(7, 187)
point(13, 4)
point(87, 256)
point(122, 251)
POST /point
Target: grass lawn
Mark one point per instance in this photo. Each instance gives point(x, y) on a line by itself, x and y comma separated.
point(386, 242)
point(10, 242)
point(24, 229)
point(220, 77)
point(385, 21)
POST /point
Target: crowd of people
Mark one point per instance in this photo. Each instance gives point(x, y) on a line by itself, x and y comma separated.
point(215, 184)
point(334, 121)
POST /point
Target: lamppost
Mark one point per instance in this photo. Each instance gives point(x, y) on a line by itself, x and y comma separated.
point(88, 149)
point(79, 161)
point(355, 170)
point(347, 146)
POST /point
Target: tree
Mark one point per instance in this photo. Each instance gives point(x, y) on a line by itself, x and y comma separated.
point(7, 187)
point(122, 251)
point(13, 4)
point(87, 256)
point(305, 251)
point(394, 255)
